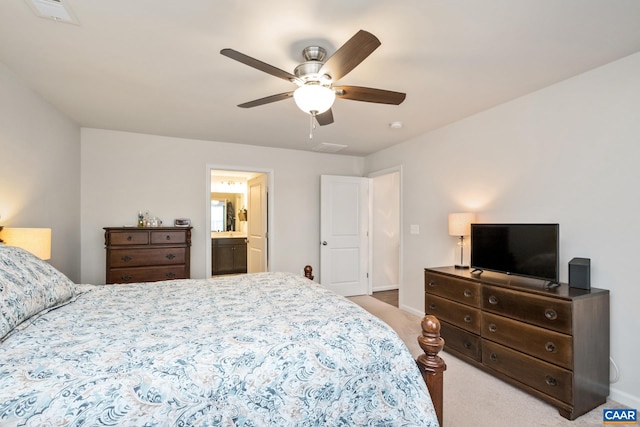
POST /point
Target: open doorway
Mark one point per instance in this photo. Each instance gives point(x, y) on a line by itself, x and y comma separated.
point(237, 215)
point(386, 241)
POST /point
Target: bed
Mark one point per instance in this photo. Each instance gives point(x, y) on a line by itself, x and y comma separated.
point(267, 349)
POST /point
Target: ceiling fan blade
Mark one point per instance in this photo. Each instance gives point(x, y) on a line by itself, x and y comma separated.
point(325, 118)
point(258, 65)
point(350, 54)
point(367, 94)
point(266, 100)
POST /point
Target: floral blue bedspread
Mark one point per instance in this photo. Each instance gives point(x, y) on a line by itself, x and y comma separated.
point(268, 349)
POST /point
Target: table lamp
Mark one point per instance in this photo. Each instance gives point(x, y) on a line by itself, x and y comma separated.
point(35, 240)
point(460, 225)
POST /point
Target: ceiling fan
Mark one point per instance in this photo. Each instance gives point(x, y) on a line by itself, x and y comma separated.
point(315, 78)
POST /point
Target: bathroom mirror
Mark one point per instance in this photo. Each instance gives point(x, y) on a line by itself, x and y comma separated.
point(226, 209)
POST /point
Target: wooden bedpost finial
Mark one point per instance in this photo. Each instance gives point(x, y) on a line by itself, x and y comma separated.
point(430, 341)
point(308, 272)
point(431, 365)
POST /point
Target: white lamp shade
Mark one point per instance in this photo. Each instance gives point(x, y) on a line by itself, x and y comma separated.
point(313, 97)
point(460, 223)
point(35, 240)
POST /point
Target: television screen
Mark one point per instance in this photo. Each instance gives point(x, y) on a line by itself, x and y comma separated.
point(523, 249)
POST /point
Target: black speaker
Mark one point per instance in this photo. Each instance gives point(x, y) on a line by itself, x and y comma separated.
point(580, 273)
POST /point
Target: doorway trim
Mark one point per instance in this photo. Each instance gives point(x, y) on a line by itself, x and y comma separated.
point(382, 172)
point(270, 209)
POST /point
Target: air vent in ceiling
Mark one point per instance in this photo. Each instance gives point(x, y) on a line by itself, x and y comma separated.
point(56, 10)
point(327, 147)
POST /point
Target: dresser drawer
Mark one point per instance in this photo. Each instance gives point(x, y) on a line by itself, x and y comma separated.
point(146, 257)
point(550, 346)
point(549, 313)
point(133, 237)
point(463, 291)
point(167, 237)
point(461, 341)
point(545, 377)
point(146, 274)
point(460, 315)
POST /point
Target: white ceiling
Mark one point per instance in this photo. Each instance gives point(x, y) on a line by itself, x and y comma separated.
point(153, 66)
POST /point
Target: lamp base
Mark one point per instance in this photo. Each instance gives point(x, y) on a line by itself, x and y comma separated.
point(461, 266)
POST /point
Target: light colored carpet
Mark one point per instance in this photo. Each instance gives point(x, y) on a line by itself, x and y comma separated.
point(473, 397)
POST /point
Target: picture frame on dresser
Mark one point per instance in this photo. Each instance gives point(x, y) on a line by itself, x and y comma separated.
point(550, 342)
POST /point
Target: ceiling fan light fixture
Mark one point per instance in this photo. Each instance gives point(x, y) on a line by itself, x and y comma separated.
point(313, 98)
point(315, 77)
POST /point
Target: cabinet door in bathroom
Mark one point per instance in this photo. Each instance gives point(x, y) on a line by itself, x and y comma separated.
point(228, 256)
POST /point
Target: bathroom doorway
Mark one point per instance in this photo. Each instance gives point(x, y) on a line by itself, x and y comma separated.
point(386, 238)
point(238, 220)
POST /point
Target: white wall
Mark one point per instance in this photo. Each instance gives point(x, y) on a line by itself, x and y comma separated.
point(123, 173)
point(569, 154)
point(40, 170)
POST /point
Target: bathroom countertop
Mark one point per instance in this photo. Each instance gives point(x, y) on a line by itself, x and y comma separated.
point(228, 234)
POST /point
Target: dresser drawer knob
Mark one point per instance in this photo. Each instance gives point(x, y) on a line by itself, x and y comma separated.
point(170, 256)
point(493, 357)
point(126, 258)
point(432, 306)
point(551, 381)
point(493, 300)
point(432, 284)
point(492, 328)
point(467, 345)
point(126, 278)
point(468, 293)
point(170, 275)
point(168, 237)
point(550, 314)
point(129, 238)
point(468, 318)
point(550, 347)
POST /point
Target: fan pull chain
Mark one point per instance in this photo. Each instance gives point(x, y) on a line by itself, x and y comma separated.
point(312, 124)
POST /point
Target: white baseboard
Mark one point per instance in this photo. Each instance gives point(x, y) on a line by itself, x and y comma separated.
point(624, 398)
point(385, 288)
point(411, 310)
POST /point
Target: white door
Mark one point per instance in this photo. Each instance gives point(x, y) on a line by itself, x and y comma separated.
point(257, 224)
point(344, 219)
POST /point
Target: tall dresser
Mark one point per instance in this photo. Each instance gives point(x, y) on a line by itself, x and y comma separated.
point(147, 254)
point(552, 343)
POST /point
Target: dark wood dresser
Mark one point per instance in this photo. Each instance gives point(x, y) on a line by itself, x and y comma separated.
point(551, 343)
point(149, 254)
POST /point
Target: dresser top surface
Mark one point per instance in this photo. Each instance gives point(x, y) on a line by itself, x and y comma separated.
point(535, 286)
point(132, 228)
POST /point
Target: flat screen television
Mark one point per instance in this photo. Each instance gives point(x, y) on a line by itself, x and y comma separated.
point(529, 250)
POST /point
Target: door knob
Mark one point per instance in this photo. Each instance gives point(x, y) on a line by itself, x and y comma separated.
point(324, 243)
